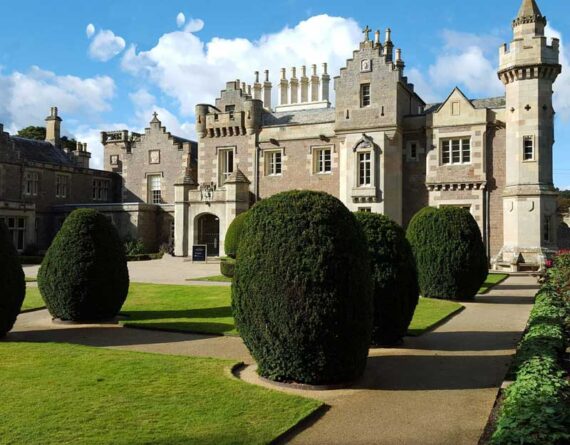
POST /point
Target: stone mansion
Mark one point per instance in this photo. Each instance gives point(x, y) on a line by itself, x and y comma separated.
point(379, 148)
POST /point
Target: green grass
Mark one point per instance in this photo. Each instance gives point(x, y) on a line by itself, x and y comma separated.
point(215, 278)
point(492, 280)
point(33, 300)
point(31, 279)
point(207, 309)
point(430, 313)
point(67, 394)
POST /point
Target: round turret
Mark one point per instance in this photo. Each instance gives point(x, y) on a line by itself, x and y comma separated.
point(201, 112)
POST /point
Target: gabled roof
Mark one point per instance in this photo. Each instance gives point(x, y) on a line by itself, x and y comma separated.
point(302, 117)
point(237, 177)
point(455, 90)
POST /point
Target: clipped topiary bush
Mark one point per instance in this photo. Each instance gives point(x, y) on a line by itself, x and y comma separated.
point(12, 282)
point(227, 267)
point(449, 252)
point(233, 235)
point(84, 275)
point(394, 274)
point(302, 291)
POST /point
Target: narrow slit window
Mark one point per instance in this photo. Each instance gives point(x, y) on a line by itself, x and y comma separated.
point(365, 95)
point(528, 148)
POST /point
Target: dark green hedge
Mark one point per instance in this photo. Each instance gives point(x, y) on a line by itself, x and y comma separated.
point(449, 252)
point(12, 282)
point(227, 267)
point(536, 407)
point(393, 268)
point(84, 275)
point(233, 235)
point(302, 291)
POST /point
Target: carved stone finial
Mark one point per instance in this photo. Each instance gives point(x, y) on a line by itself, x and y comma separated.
point(366, 32)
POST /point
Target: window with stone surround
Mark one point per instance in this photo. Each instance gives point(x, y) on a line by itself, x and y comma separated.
point(100, 190)
point(61, 186)
point(114, 160)
point(456, 151)
point(225, 164)
point(17, 230)
point(364, 169)
point(231, 110)
point(154, 189)
point(31, 183)
point(364, 95)
point(273, 163)
point(365, 209)
point(528, 148)
point(322, 160)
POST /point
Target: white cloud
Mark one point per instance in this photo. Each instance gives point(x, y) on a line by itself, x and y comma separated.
point(194, 25)
point(90, 30)
point(106, 45)
point(466, 60)
point(562, 84)
point(27, 97)
point(193, 71)
point(180, 19)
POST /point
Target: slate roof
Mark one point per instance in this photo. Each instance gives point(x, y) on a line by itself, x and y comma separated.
point(491, 102)
point(303, 117)
point(237, 177)
point(40, 151)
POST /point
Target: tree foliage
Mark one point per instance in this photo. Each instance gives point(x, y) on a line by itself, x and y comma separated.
point(12, 282)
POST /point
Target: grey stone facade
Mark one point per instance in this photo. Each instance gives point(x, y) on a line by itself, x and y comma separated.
point(382, 149)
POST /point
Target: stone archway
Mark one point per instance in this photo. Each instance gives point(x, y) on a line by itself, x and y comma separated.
point(207, 227)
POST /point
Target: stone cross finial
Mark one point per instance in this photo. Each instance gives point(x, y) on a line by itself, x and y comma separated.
point(366, 32)
point(155, 115)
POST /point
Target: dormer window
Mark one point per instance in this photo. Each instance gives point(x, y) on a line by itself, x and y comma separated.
point(365, 95)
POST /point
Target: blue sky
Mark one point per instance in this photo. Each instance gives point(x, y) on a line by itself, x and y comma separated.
point(141, 55)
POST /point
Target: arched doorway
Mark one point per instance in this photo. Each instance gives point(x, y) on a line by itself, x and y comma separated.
point(208, 228)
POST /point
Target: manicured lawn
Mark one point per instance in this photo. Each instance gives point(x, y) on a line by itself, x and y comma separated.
point(31, 279)
point(492, 280)
point(33, 299)
point(207, 309)
point(67, 394)
point(429, 313)
point(216, 278)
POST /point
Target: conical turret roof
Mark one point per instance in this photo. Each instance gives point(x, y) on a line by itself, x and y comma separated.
point(529, 8)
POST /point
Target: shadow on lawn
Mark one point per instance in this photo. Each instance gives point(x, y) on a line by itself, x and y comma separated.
point(212, 312)
point(99, 336)
point(464, 341)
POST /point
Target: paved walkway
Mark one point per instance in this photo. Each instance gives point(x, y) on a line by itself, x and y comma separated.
point(438, 389)
point(168, 270)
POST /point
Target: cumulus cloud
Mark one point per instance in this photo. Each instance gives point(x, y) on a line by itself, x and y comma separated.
point(106, 45)
point(180, 19)
point(562, 84)
point(27, 96)
point(191, 70)
point(466, 60)
point(90, 30)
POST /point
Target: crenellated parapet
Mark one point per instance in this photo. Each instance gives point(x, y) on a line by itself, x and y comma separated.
point(530, 58)
point(237, 112)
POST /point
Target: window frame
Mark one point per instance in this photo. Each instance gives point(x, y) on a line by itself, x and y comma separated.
point(101, 189)
point(531, 139)
point(65, 185)
point(272, 166)
point(154, 195)
point(360, 178)
point(223, 172)
point(365, 97)
point(31, 183)
point(320, 162)
point(455, 152)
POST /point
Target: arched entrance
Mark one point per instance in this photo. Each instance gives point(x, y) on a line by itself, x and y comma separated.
point(208, 228)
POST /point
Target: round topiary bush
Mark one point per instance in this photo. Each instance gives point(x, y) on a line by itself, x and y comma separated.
point(395, 278)
point(233, 235)
point(12, 282)
point(84, 275)
point(302, 292)
point(449, 252)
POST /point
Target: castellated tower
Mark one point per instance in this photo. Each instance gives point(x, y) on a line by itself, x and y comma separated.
point(528, 69)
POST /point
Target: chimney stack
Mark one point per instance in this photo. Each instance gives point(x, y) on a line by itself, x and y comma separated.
point(257, 87)
point(294, 83)
point(304, 85)
point(267, 91)
point(53, 128)
point(283, 88)
point(326, 79)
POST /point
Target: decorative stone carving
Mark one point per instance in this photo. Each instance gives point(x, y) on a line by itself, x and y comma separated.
point(365, 65)
point(207, 192)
